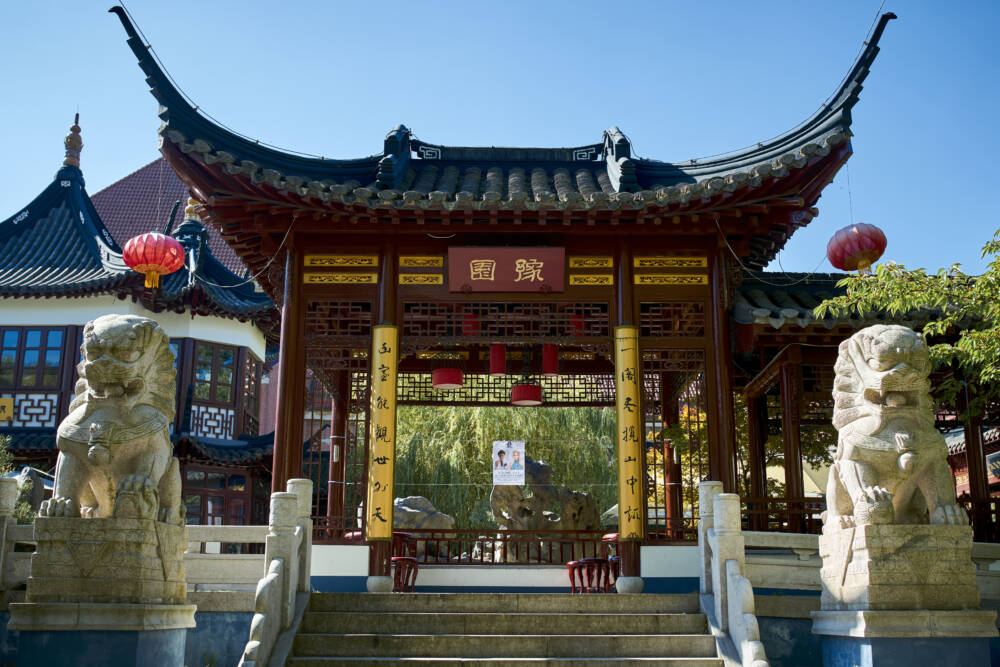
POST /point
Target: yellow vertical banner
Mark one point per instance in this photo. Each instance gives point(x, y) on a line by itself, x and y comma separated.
point(631, 485)
point(381, 433)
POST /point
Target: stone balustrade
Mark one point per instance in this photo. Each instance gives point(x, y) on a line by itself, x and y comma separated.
point(726, 594)
point(283, 591)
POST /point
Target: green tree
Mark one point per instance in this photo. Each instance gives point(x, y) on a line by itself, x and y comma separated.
point(22, 510)
point(963, 327)
point(444, 453)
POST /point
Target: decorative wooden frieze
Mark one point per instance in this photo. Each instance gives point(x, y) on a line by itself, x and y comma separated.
point(421, 262)
point(341, 260)
point(670, 262)
point(421, 279)
point(670, 279)
point(340, 278)
point(591, 279)
point(591, 263)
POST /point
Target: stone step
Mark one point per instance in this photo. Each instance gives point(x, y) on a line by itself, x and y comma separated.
point(505, 602)
point(475, 623)
point(349, 661)
point(608, 646)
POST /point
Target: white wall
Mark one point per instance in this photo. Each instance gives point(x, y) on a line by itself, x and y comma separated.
point(339, 560)
point(669, 561)
point(79, 311)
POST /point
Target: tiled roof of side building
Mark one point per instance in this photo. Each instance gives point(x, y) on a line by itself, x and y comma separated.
point(142, 201)
point(57, 244)
point(788, 299)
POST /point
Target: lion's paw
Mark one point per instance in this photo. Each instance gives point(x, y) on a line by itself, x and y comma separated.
point(59, 506)
point(136, 498)
point(950, 514)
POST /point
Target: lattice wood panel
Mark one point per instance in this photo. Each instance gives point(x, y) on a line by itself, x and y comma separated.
point(683, 319)
point(337, 318)
point(510, 322)
point(674, 394)
point(481, 389)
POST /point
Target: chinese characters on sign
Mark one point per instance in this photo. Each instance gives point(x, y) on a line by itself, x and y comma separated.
point(508, 463)
point(382, 433)
point(506, 269)
point(6, 409)
point(631, 493)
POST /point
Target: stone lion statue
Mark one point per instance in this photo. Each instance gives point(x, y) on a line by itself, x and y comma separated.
point(115, 456)
point(891, 463)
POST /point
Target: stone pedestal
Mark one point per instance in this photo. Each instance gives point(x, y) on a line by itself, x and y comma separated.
point(898, 567)
point(111, 588)
point(901, 595)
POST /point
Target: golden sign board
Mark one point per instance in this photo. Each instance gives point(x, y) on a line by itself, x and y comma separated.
point(6, 409)
point(670, 262)
point(341, 260)
point(421, 262)
point(631, 479)
point(670, 279)
point(382, 433)
point(421, 279)
point(591, 262)
point(591, 279)
point(340, 278)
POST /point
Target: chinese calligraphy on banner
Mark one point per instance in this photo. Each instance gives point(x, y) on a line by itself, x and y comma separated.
point(506, 269)
point(508, 463)
point(382, 433)
point(631, 482)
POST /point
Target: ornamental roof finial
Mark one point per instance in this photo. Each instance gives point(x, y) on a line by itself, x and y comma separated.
point(74, 143)
point(189, 211)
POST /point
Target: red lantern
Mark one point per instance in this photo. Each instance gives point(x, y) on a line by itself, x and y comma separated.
point(154, 255)
point(550, 360)
point(526, 394)
point(856, 247)
point(498, 360)
point(447, 378)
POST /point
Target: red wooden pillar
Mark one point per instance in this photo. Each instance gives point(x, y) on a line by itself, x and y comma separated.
point(628, 550)
point(979, 488)
point(672, 477)
point(721, 438)
point(379, 563)
point(338, 452)
point(791, 391)
point(757, 458)
point(291, 377)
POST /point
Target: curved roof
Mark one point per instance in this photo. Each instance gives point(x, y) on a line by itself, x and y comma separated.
point(58, 246)
point(412, 174)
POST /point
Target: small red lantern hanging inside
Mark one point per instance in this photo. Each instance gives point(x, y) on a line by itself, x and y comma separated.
point(154, 255)
point(856, 247)
point(498, 360)
point(447, 378)
point(550, 360)
point(526, 394)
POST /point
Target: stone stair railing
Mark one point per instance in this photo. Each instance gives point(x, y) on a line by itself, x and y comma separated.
point(283, 592)
point(726, 594)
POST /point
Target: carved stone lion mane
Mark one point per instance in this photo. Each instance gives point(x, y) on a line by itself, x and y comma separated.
point(891, 463)
point(115, 455)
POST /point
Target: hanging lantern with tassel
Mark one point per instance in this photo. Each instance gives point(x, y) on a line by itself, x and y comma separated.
point(447, 379)
point(856, 247)
point(498, 360)
point(154, 255)
point(550, 360)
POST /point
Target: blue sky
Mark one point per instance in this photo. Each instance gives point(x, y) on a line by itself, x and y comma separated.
point(682, 80)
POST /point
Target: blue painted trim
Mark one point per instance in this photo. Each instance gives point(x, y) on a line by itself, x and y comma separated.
point(791, 592)
point(670, 584)
point(334, 584)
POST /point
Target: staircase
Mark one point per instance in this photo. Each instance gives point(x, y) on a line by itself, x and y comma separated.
point(503, 629)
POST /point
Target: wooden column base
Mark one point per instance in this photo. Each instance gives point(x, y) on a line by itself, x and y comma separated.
point(379, 558)
point(628, 554)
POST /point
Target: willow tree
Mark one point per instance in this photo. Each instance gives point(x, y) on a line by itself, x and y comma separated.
point(445, 453)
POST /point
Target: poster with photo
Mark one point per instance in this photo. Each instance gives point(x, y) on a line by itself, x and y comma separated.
point(508, 463)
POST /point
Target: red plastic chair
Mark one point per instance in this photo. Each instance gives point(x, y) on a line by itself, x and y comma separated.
point(404, 574)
